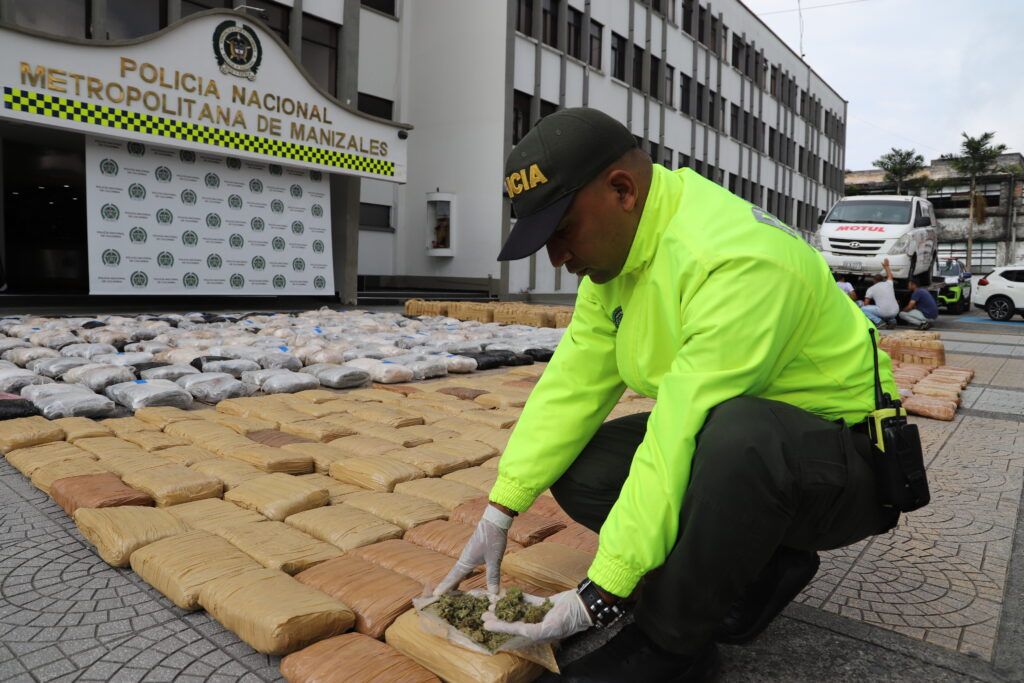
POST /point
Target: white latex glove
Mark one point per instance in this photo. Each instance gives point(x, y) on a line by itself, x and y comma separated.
point(568, 615)
point(486, 546)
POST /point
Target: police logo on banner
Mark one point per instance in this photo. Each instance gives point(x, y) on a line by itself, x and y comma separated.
point(298, 265)
point(258, 262)
point(279, 282)
point(277, 244)
point(136, 149)
point(108, 167)
point(137, 192)
point(163, 174)
point(187, 156)
point(110, 212)
point(139, 279)
point(237, 49)
point(212, 220)
point(138, 235)
point(235, 201)
point(214, 261)
point(188, 197)
point(111, 257)
point(298, 228)
point(190, 280)
point(317, 211)
point(277, 206)
point(257, 224)
point(256, 186)
point(165, 259)
point(295, 191)
point(237, 281)
point(189, 238)
point(318, 247)
point(233, 163)
point(164, 217)
point(236, 241)
point(212, 180)
point(319, 282)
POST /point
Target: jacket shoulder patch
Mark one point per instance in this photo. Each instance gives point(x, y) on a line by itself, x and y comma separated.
point(762, 216)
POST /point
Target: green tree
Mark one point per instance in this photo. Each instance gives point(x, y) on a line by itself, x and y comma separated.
point(977, 157)
point(899, 164)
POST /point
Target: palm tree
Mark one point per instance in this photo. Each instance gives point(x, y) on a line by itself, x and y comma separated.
point(899, 164)
point(977, 157)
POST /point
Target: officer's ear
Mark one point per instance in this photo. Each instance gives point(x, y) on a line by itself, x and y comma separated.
point(626, 188)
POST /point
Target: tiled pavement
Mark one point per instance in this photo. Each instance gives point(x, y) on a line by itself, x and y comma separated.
point(925, 602)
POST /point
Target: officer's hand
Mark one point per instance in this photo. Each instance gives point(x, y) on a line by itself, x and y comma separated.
point(486, 546)
point(568, 615)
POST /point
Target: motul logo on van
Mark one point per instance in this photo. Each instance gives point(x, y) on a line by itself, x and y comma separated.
point(862, 228)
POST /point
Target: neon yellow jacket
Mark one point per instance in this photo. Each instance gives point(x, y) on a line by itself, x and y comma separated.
point(718, 299)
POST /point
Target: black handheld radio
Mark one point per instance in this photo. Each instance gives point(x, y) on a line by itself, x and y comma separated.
point(899, 462)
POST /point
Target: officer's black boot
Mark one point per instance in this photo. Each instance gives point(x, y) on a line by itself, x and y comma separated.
point(780, 581)
point(632, 656)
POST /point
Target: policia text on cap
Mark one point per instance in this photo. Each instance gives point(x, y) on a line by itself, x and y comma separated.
point(710, 508)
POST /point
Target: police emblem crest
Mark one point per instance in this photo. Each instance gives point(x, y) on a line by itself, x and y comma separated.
point(237, 49)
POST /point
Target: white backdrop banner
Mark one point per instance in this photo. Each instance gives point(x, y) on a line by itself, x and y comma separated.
point(169, 221)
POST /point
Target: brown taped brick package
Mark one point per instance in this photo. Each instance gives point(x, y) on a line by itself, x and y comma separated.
point(447, 538)
point(118, 532)
point(344, 526)
point(237, 423)
point(422, 565)
point(230, 473)
point(126, 425)
point(125, 463)
point(352, 658)
point(376, 595)
point(362, 446)
point(551, 565)
point(174, 484)
point(81, 428)
point(452, 663)
point(276, 545)
point(153, 441)
point(315, 430)
point(179, 566)
point(431, 461)
point(273, 612)
point(576, 536)
point(464, 393)
point(95, 491)
point(937, 409)
point(386, 415)
point(28, 460)
point(44, 477)
point(482, 478)
point(447, 494)
point(527, 527)
point(23, 432)
point(336, 490)
point(275, 438)
point(378, 473)
point(276, 496)
point(187, 455)
point(323, 454)
point(270, 459)
point(213, 514)
point(405, 511)
point(161, 416)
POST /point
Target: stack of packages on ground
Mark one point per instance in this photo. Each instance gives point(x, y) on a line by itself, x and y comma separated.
point(928, 387)
point(308, 522)
point(108, 366)
point(514, 313)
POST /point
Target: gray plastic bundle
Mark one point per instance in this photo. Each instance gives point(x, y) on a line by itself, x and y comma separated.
point(54, 367)
point(279, 360)
point(8, 343)
point(55, 401)
point(22, 356)
point(258, 377)
point(12, 380)
point(99, 378)
point(214, 387)
point(147, 346)
point(289, 383)
point(234, 367)
point(384, 372)
point(130, 358)
point(337, 376)
point(89, 351)
point(143, 393)
point(459, 364)
point(423, 366)
point(168, 372)
point(53, 339)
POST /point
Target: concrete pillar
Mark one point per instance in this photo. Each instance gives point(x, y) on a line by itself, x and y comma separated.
point(173, 11)
point(345, 189)
point(295, 30)
point(510, 66)
point(98, 20)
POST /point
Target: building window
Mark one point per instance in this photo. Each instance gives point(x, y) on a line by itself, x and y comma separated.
point(273, 15)
point(638, 67)
point(192, 6)
point(618, 56)
point(524, 16)
point(701, 110)
point(134, 18)
point(66, 18)
point(549, 21)
point(575, 33)
point(684, 93)
point(702, 17)
point(670, 85)
point(668, 156)
point(654, 82)
point(734, 122)
point(385, 6)
point(654, 151)
point(376, 106)
point(320, 51)
point(520, 115)
point(712, 108)
point(547, 108)
point(374, 215)
point(596, 32)
point(684, 160)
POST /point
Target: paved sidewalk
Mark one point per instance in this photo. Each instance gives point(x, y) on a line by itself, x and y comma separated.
point(941, 598)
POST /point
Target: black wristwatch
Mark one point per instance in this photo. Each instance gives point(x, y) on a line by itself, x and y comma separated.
point(602, 613)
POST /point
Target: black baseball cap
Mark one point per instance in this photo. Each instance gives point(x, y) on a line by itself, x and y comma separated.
point(561, 154)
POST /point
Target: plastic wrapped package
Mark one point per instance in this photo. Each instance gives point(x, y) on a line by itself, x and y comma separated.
point(576, 536)
point(271, 460)
point(54, 367)
point(332, 356)
point(238, 424)
point(275, 438)
point(28, 460)
point(187, 455)
point(123, 359)
point(386, 415)
point(173, 484)
point(213, 514)
point(335, 407)
point(376, 473)
point(376, 595)
point(344, 526)
point(170, 372)
point(118, 532)
point(276, 545)
point(272, 612)
point(179, 566)
point(554, 566)
point(423, 366)
point(13, 380)
point(459, 364)
point(482, 478)
point(86, 350)
point(27, 431)
point(448, 494)
point(153, 347)
point(338, 376)
point(95, 491)
point(500, 419)
point(233, 366)
point(68, 400)
point(99, 378)
point(360, 446)
point(151, 440)
point(289, 384)
point(213, 390)
point(426, 567)
point(7, 343)
point(23, 356)
point(280, 360)
point(81, 428)
point(276, 496)
point(384, 372)
point(144, 392)
point(352, 658)
point(447, 538)
point(432, 461)
point(316, 430)
point(161, 416)
point(527, 528)
point(323, 455)
point(503, 399)
point(546, 506)
point(123, 425)
point(13, 406)
point(105, 446)
point(179, 356)
point(44, 477)
point(926, 406)
point(337, 491)
point(397, 508)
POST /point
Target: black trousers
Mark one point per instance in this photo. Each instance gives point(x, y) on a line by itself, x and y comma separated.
point(765, 475)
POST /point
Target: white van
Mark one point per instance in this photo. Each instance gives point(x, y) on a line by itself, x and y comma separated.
point(861, 231)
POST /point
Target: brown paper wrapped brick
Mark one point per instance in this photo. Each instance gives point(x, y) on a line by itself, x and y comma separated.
point(344, 526)
point(230, 473)
point(551, 565)
point(323, 454)
point(447, 538)
point(28, 460)
point(44, 477)
point(187, 455)
point(424, 566)
point(118, 532)
point(174, 484)
point(276, 438)
point(363, 446)
point(76, 428)
point(379, 473)
point(352, 658)
point(271, 459)
point(527, 527)
point(239, 424)
point(387, 415)
point(336, 490)
point(276, 545)
point(576, 536)
point(161, 416)
point(23, 432)
point(123, 463)
point(481, 478)
point(276, 496)
point(447, 494)
point(213, 514)
point(397, 508)
point(95, 491)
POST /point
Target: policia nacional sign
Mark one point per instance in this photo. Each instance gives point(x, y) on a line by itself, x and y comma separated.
point(212, 82)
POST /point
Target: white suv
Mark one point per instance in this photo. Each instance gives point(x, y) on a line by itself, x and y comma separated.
point(1001, 292)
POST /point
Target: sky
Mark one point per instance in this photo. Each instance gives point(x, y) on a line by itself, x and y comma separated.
point(916, 73)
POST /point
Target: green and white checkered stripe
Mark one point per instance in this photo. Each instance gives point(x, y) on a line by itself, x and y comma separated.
point(111, 117)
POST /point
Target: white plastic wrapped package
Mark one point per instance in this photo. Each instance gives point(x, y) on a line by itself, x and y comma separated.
point(280, 360)
point(234, 367)
point(98, 379)
point(147, 347)
point(55, 401)
point(85, 350)
point(53, 339)
point(180, 356)
point(214, 387)
point(143, 393)
point(337, 376)
point(12, 380)
point(106, 335)
point(459, 364)
point(382, 371)
point(460, 347)
point(75, 374)
point(124, 359)
point(332, 355)
point(423, 366)
point(258, 377)
point(7, 343)
point(22, 356)
point(289, 384)
point(54, 367)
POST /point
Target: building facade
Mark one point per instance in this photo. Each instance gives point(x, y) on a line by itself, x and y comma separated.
point(999, 221)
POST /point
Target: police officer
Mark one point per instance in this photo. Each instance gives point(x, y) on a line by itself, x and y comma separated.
point(710, 508)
